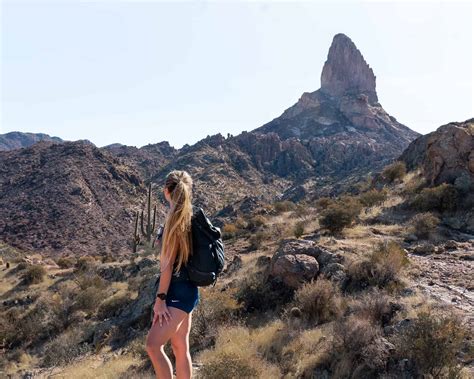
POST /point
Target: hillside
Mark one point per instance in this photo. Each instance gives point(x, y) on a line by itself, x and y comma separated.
point(68, 197)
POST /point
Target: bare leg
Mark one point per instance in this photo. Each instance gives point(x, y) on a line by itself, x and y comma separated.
point(156, 340)
point(180, 346)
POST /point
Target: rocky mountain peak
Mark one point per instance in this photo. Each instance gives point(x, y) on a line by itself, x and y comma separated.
point(346, 71)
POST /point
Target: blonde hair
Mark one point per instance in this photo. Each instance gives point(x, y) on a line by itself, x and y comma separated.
point(177, 238)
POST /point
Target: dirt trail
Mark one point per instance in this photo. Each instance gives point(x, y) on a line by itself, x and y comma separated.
point(448, 277)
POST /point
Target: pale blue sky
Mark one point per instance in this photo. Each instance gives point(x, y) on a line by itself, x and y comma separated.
point(145, 72)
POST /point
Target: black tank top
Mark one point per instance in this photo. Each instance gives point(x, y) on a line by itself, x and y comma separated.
point(182, 274)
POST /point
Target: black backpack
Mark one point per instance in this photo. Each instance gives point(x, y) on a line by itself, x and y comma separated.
point(207, 259)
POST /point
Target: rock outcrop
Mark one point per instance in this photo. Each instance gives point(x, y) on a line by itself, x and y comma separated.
point(298, 261)
point(445, 155)
point(346, 72)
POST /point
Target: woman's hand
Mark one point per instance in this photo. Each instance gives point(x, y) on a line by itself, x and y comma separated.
point(160, 312)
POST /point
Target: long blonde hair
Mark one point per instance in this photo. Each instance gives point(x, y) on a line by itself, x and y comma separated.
point(177, 229)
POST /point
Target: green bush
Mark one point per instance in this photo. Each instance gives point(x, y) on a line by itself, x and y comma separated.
point(340, 215)
point(442, 198)
point(34, 274)
point(394, 171)
point(432, 343)
point(298, 230)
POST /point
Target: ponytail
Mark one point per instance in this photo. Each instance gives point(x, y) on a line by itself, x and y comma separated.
point(177, 237)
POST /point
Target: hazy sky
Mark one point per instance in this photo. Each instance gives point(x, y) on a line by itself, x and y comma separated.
point(145, 72)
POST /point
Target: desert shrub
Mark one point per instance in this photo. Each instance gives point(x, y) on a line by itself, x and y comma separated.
point(89, 299)
point(256, 222)
point(376, 306)
point(424, 223)
point(22, 266)
point(381, 269)
point(229, 231)
point(112, 306)
point(50, 316)
point(359, 349)
point(284, 206)
point(9, 321)
point(88, 279)
point(298, 229)
point(137, 346)
point(257, 292)
point(432, 342)
point(271, 339)
point(394, 171)
point(257, 239)
point(216, 308)
point(66, 262)
point(107, 258)
point(302, 209)
point(373, 197)
point(324, 202)
point(240, 223)
point(319, 300)
point(442, 198)
point(340, 215)
point(85, 263)
point(66, 347)
point(34, 274)
point(235, 356)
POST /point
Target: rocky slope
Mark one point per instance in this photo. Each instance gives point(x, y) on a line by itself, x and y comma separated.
point(17, 140)
point(69, 197)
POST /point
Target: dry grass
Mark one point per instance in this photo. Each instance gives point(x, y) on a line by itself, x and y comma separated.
point(98, 368)
point(306, 352)
point(235, 356)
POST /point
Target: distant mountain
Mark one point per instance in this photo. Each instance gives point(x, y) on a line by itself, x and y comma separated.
point(17, 140)
point(74, 196)
point(341, 127)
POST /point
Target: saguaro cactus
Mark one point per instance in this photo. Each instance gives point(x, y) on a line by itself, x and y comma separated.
point(136, 234)
point(149, 230)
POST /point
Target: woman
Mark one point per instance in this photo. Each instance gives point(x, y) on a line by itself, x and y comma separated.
point(176, 295)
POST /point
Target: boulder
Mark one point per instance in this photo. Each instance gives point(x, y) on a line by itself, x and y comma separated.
point(294, 269)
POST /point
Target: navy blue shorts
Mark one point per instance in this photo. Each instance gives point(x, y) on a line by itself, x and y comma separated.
point(183, 295)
